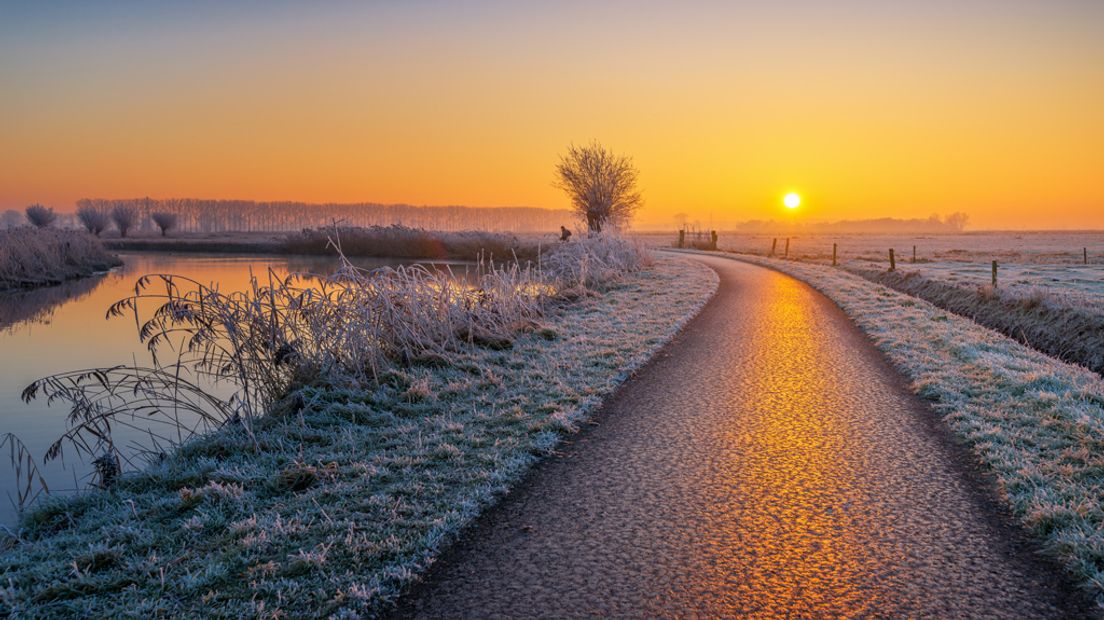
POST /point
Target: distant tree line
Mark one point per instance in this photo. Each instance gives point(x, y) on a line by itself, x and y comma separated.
point(953, 223)
point(196, 215)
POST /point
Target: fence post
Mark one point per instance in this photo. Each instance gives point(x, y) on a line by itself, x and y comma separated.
point(994, 274)
point(787, 248)
point(892, 261)
point(682, 238)
point(1085, 255)
point(774, 246)
point(914, 254)
point(833, 255)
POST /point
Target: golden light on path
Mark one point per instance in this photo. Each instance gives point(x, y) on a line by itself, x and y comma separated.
point(791, 200)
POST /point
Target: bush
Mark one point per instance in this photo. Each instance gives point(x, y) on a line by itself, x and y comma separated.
point(125, 217)
point(93, 220)
point(40, 216)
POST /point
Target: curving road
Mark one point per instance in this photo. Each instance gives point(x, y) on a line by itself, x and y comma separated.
point(767, 463)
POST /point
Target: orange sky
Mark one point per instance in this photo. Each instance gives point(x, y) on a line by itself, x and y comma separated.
point(866, 109)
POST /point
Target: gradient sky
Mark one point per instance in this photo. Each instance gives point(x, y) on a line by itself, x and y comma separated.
point(867, 108)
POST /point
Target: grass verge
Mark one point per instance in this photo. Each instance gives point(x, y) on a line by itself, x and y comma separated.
point(1035, 422)
point(1035, 317)
point(342, 497)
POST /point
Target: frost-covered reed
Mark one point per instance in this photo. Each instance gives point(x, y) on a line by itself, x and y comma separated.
point(399, 241)
point(350, 328)
point(38, 256)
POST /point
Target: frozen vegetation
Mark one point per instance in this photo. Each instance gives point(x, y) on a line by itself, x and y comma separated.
point(1035, 422)
point(348, 485)
point(397, 241)
point(32, 257)
point(979, 247)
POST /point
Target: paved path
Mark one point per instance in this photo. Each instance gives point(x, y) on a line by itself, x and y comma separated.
point(767, 463)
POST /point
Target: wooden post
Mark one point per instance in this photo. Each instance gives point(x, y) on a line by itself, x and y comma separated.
point(833, 255)
point(892, 261)
point(787, 248)
point(682, 238)
point(994, 274)
point(1085, 255)
point(914, 254)
point(774, 246)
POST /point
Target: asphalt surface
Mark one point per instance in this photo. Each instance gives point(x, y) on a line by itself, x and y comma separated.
point(768, 463)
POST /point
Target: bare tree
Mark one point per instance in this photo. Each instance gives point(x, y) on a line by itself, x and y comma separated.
point(94, 220)
point(125, 217)
point(11, 218)
point(165, 221)
point(41, 216)
point(957, 221)
point(602, 186)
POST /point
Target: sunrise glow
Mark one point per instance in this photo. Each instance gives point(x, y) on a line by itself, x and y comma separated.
point(912, 109)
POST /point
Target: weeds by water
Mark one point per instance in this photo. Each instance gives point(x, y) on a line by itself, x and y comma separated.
point(350, 328)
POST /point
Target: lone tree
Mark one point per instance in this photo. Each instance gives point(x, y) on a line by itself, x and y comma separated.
point(41, 216)
point(93, 220)
point(601, 185)
point(125, 217)
point(164, 221)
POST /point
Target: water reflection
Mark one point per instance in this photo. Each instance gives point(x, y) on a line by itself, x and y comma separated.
point(63, 328)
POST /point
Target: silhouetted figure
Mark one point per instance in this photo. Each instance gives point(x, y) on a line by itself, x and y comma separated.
point(565, 234)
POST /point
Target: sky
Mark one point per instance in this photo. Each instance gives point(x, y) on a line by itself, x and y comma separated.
point(865, 108)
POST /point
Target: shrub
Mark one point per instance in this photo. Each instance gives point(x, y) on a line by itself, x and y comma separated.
point(125, 217)
point(93, 220)
point(40, 216)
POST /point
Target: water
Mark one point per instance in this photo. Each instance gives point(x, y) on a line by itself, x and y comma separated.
point(63, 328)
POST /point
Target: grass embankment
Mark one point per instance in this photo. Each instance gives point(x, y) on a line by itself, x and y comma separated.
point(376, 241)
point(344, 493)
point(31, 257)
point(1038, 319)
point(1035, 422)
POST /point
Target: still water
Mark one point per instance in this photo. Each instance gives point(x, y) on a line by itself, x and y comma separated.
point(63, 328)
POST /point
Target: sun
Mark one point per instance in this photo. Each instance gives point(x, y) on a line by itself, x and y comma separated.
point(791, 200)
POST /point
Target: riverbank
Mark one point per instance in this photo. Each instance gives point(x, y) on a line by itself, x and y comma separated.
point(376, 241)
point(34, 257)
point(1034, 422)
point(335, 507)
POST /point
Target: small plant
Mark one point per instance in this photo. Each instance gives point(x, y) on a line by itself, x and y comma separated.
point(164, 221)
point(125, 217)
point(40, 216)
point(94, 220)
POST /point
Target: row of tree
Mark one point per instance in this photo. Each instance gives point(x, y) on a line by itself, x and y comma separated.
point(195, 215)
point(94, 220)
point(601, 186)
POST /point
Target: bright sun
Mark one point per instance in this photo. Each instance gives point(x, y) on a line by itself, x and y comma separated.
point(791, 201)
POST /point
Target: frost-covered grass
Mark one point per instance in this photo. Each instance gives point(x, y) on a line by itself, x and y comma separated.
point(342, 495)
point(1061, 323)
point(1069, 285)
point(32, 257)
point(1035, 422)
